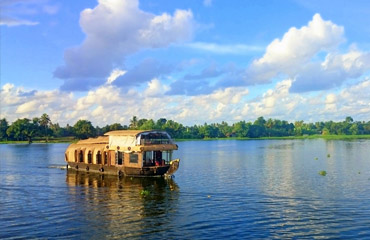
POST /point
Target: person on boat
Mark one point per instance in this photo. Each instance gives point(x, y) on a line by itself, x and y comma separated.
point(158, 162)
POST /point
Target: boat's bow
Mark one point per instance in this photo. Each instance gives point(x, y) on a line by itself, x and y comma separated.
point(174, 165)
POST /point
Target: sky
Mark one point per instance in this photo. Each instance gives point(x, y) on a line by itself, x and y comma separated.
point(194, 61)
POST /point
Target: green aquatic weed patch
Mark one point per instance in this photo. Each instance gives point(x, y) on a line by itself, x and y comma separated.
point(144, 193)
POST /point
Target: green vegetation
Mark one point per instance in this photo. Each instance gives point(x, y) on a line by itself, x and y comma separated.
point(43, 130)
point(144, 193)
point(323, 173)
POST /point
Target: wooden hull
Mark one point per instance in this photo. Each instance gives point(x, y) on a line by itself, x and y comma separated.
point(151, 171)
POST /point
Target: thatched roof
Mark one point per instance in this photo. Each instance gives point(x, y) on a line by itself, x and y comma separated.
point(101, 140)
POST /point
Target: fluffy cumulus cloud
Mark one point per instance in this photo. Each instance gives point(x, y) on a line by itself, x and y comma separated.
point(354, 100)
point(296, 47)
point(295, 55)
point(108, 104)
point(275, 102)
point(114, 29)
point(20, 103)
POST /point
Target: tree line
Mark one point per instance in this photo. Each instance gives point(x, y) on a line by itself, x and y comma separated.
point(41, 127)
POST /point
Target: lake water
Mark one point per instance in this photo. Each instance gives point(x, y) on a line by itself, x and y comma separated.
point(255, 189)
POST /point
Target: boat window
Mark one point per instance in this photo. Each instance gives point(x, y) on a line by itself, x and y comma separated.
point(98, 158)
point(158, 158)
point(148, 158)
point(119, 158)
point(167, 156)
point(89, 157)
point(155, 138)
point(76, 156)
point(134, 158)
point(81, 156)
point(105, 158)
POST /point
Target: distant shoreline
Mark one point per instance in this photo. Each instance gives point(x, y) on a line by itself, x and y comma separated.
point(326, 137)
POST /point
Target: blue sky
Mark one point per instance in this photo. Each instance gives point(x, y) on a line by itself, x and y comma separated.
point(190, 61)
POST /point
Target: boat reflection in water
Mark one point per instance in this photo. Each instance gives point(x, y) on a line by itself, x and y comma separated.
point(107, 206)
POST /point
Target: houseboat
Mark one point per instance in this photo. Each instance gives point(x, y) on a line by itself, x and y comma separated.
point(125, 153)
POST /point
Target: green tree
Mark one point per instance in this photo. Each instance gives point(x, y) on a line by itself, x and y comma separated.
point(133, 122)
point(298, 128)
point(3, 127)
point(240, 129)
point(325, 131)
point(83, 129)
point(349, 119)
point(270, 125)
point(260, 122)
point(116, 126)
point(22, 129)
point(354, 129)
point(174, 129)
point(141, 122)
point(255, 131)
point(56, 130)
point(147, 125)
point(160, 123)
point(45, 122)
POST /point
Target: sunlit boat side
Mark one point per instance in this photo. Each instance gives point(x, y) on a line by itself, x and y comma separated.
point(125, 153)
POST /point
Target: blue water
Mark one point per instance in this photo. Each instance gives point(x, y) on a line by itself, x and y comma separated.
point(263, 189)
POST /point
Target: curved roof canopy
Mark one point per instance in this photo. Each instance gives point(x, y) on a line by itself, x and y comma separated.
point(131, 132)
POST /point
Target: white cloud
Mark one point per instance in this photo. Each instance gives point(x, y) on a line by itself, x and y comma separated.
point(12, 22)
point(9, 94)
point(230, 95)
point(353, 64)
point(235, 49)
point(296, 48)
point(330, 102)
point(17, 13)
point(109, 104)
point(114, 75)
point(214, 107)
point(297, 56)
point(98, 111)
point(355, 100)
point(21, 103)
point(28, 107)
point(156, 89)
point(277, 102)
point(106, 95)
point(115, 29)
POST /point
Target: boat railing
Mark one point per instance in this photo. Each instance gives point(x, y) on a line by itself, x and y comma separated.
point(157, 163)
point(155, 141)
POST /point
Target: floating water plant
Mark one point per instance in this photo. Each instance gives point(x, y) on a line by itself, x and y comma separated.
point(144, 193)
point(322, 173)
point(328, 155)
point(316, 158)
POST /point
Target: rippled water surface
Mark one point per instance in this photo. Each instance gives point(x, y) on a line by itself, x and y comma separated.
point(231, 189)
